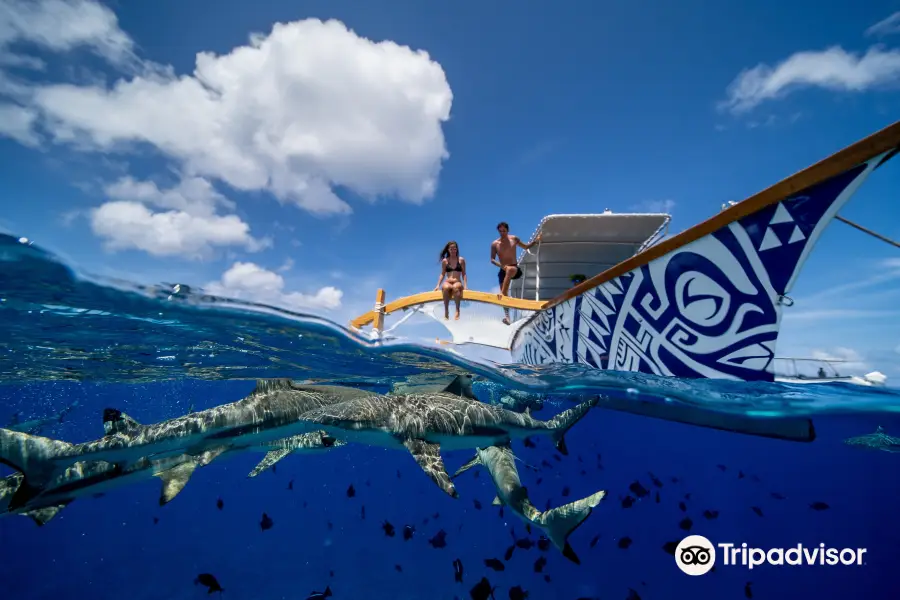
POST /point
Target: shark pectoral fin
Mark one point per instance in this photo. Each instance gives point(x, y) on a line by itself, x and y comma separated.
point(268, 460)
point(42, 515)
point(174, 481)
point(473, 462)
point(206, 457)
point(115, 421)
point(428, 456)
point(497, 501)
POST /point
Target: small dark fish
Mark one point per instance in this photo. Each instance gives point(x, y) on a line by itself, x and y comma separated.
point(495, 564)
point(266, 522)
point(670, 547)
point(657, 497)
point(425, 521)
point(655, 480)
point(321, 595)
point(398, 473)
point(639, 490)
point(539, 480)
point(290, 484)
point(509, 552)
point(408, 531)
point(778, 496)
point(436, 515)
point(350, 491)
point(583, 472)
point(686, 524)
point(595, 540)
point(687, 496)
point(627, 502)
point(633, 595)
point(155, 520)
point(477, 474)
point(398, 568)
point(539, 564)
point(819, 506)
point(525, 543)
point(547, 578)
point(625, 543)
point(748, 593)
point(305, 504)
point(545, 464)
point(362, 511)
point(529, 443)
point(757, 510)
point(477, 504)
point(220, 504)
point(501, 512)
point(210, 582)
point(565, 492)
point(557, 457)
point(543, 544)
point(482, 590)
point(330, 525)
point(528, 528)
point(740, 474)
point(331, 573)
point(674, 479)
point(388, 529)
point(722, 468)
point(581, 460)
point(274, 469)
point(548, 506)
point(682, 506)
point(369, 483)
point(457, 570)
point(711, 514)
point(439, 540)
point(517, 593)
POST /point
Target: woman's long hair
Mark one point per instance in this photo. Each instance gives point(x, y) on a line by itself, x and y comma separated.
point(445, 253)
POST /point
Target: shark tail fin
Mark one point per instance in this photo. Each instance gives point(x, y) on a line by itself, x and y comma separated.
point(564, 421)
point(559, 523)
point(473, 462)
point(31, 456)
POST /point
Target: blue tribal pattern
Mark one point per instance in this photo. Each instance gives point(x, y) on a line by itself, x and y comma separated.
point(709, 309)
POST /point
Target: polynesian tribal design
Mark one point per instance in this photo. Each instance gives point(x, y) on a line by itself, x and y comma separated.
point(709, 309)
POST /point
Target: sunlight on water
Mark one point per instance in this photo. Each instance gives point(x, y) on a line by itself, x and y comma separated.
point(58, 325)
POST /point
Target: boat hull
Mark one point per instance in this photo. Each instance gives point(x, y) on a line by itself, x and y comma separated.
point(710, 308)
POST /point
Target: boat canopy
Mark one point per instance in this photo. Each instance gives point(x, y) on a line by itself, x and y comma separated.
point(582, 245)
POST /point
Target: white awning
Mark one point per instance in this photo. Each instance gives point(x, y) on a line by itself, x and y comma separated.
point(582, 244)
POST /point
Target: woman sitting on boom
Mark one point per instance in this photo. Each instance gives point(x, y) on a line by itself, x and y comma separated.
point(453, 267)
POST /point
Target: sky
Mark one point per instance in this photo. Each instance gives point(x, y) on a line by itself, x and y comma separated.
point(304, 154)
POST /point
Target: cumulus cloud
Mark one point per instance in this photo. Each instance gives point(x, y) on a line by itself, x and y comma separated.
point(17, 122)
point(296, 112)
point(886, 26)
point(833, 69)
point(188, 226)
point(248, 281)
point(60, 26)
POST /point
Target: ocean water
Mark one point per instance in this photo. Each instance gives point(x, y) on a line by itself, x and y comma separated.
point(76, 345)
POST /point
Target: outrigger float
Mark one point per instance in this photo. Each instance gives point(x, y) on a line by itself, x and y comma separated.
point(705, 303)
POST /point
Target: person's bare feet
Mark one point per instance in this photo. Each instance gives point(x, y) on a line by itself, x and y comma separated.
point(506, 320)
point(446, 316)
point(456, 318)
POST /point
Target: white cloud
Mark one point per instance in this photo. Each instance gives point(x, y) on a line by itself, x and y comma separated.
point(248, 281)
point(832, 69)
point(308, 107)
point(189, 228)
point(886, 26)
point(17, 122)
point(60, 26)
point(656, 206)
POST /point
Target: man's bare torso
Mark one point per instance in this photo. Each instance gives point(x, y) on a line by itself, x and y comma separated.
point(506, 250)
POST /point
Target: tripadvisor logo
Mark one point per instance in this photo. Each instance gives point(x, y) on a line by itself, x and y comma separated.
point(696, 555)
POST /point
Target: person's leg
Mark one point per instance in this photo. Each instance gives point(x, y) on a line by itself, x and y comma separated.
point(446, 291)
point(457, 295)
point(507, 278)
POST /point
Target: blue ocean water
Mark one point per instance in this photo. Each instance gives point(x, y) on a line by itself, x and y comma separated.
point(73, 344)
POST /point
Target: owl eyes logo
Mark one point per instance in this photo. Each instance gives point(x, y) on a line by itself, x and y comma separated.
point(695, 555)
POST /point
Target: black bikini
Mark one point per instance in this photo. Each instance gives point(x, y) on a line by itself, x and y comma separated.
point(458, 267)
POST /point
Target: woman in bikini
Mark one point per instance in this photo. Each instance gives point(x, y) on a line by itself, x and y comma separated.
point(453, 267)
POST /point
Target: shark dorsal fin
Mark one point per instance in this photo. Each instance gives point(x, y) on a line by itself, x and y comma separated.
point(115, 421)
point(458, 385)
point(461, 386)
point(271, 385)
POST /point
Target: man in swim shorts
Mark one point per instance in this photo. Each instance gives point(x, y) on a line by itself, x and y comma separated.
point(503, 255)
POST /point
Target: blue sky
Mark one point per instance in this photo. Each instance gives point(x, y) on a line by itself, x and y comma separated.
point(331, 159)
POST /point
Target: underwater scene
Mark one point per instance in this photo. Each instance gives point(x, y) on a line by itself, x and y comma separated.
point(159, 442)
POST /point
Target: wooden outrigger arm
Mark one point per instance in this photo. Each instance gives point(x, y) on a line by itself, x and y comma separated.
point(376, 315)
